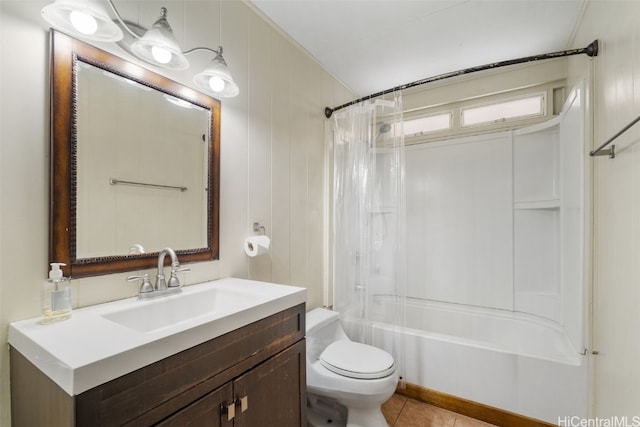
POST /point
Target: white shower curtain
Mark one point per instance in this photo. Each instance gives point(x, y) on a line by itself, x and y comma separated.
point(369, 222)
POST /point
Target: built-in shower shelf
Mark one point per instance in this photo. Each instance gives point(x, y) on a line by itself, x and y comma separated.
point(537, 204)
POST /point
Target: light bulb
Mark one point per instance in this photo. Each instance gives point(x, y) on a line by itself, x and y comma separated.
point(216, 84)
point(83, 22)
point(163, 56)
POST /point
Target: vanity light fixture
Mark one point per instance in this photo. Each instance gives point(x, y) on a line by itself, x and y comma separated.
point(83, 18)
point(157, 46)
point(216, 78)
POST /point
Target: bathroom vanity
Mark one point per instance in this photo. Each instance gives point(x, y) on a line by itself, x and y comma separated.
point(241, 364)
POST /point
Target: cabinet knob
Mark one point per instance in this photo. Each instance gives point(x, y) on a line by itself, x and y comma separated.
point(231, 411)
point(243, 403)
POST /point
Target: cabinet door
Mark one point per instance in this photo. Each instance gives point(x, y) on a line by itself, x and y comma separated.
point(273, 394)
point(209, 411)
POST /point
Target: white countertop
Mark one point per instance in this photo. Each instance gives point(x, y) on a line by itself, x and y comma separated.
point(89, 349)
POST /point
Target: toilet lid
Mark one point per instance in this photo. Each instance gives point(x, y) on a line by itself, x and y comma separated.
point(355, 360)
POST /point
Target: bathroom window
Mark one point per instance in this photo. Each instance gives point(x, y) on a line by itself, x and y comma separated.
point(522, 108)
point(436, 119)
point(423, 125)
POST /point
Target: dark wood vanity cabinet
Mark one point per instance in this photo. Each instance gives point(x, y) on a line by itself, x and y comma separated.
point(210, 410)
point(253, 376)
point(261, 397)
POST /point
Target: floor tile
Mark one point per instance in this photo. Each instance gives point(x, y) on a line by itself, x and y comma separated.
point(392, 407)
point(418, 414)
point(462, 421)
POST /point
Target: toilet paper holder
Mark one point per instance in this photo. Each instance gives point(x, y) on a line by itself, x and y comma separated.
point(257, 227)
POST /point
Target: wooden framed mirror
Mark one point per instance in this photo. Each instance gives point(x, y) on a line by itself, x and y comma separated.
point(135, 164)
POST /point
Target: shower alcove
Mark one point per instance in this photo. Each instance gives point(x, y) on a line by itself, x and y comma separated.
point(496, 266)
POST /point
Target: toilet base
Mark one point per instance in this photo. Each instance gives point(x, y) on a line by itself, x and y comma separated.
point(315, 419)
point(371, 417)
point(324, 412)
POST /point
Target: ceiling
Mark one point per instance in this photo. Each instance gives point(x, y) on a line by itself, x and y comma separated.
point(373, 45)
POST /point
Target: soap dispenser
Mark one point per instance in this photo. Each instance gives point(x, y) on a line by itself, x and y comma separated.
point(56, 296)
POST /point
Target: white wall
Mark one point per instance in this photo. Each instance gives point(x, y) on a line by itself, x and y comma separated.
point(272, 167)
point(616, 199)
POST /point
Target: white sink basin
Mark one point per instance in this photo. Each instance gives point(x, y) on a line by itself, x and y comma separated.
point(105, 341)
point(155, 314)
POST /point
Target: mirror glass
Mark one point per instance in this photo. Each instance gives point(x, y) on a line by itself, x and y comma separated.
point(135, 164)
point(142, 163)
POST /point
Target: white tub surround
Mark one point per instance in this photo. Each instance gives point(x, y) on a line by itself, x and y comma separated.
point(498, 220)
point(497, 271)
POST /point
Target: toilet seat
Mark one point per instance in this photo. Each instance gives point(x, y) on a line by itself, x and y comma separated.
point(354, 360)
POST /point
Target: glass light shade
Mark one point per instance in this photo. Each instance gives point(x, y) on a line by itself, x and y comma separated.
point(158, 46)
point(84, 22)
point(86, 19)
point(216, 78)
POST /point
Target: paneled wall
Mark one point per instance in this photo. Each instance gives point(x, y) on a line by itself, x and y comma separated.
point(272, 151)
point(616, 202)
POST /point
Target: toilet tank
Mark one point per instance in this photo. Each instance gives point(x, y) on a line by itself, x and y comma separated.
point(323, 327)
point(319, 318)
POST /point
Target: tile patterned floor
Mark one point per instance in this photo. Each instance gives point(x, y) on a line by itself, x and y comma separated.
point(401, 411)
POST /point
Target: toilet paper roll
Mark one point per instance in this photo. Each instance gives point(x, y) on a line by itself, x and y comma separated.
point(256, 245)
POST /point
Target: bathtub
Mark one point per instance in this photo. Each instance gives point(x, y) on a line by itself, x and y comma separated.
point(508, 360)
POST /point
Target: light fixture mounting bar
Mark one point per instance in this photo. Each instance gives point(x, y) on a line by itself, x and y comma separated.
point(123, 24)
point(208, 49)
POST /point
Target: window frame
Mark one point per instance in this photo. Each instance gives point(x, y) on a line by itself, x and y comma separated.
point(551, 103)
point(542, 96)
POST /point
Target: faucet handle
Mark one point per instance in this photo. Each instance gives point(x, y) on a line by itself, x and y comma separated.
point(145, 286)
point(174, 282)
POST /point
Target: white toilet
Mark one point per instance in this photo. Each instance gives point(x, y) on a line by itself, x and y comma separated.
point(342, 373)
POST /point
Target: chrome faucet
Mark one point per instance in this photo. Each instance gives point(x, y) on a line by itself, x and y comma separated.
point(174, 283)
point(161, 287)
point(161, 283)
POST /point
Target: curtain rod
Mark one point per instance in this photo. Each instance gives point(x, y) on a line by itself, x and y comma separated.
point(591, 50)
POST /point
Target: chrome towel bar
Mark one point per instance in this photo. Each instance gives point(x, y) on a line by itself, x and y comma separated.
point(600, 151)
point(114, 181)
